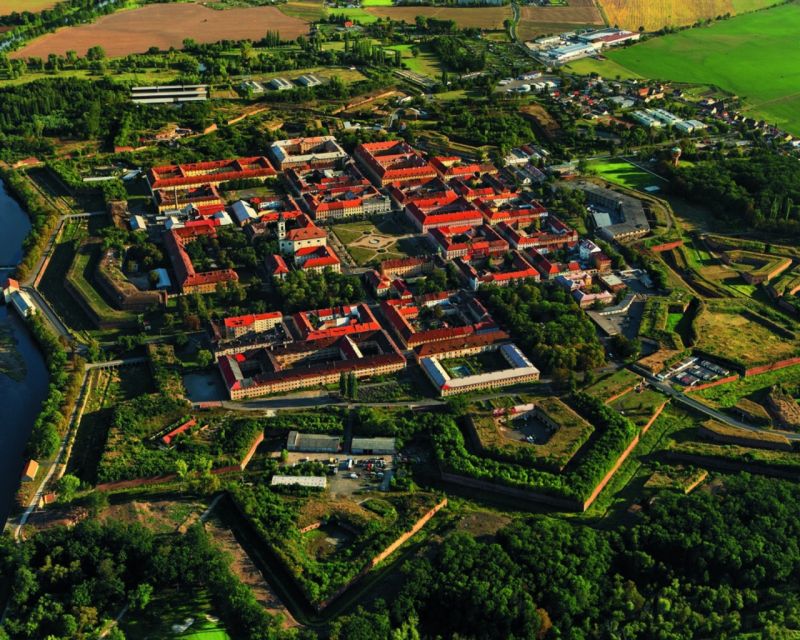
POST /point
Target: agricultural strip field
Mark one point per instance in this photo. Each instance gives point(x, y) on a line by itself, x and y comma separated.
point(164, 26)
point(489, 18)
point(535, 21)
point(732, 56)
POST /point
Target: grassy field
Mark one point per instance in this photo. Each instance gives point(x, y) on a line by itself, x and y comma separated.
point(81, 275)
point(605, 68)
point(425, 62)
point(489, 18)
point(613, 385)
point(640, 406)
point(728, 395)
point(625, 174)
point(740, 338)
point(308, 10)
point(731, 55)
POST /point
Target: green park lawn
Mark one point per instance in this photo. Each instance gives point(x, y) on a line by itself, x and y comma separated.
point(732, 55)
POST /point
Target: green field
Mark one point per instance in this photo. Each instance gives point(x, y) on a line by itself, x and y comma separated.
point(732, 55)
point(625, 174)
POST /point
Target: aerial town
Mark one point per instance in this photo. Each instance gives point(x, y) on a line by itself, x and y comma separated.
point(383, 320)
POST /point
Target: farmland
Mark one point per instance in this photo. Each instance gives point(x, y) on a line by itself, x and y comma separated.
point(731, 55)
point(632, 14)
point(164, 26)
point(535, 21)
point(490, 18)
point(9, 6)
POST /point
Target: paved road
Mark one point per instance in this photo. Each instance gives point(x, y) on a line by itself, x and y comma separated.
point(690, 402)
point(49, 315)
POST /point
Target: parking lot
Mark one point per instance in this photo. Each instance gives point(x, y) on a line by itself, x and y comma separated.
point(367, 472)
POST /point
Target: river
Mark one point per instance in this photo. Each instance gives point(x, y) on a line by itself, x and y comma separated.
point(20, 400)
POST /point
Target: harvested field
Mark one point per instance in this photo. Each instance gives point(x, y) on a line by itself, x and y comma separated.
point(164, 26)
point(652, 15)
point(535, 21)
point(490, 18)
point(10, 6)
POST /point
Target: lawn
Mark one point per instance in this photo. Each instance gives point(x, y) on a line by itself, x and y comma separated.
point(639, 406)
point(424, 63)
point(625, 174)
point(732, 55)
point(606, 68)
point(388, 239)
point(81, 276)
point(170, 608)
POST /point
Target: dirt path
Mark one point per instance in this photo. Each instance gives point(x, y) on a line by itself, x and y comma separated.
point(246, 570)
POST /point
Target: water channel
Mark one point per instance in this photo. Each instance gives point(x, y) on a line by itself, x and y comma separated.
point(20, 396)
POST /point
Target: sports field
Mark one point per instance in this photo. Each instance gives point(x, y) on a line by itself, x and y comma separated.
point(732, 55)
point(624, 173)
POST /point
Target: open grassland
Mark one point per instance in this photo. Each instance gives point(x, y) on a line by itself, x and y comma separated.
point(741, 338)
point(731, 55)
point(10, 6)
point(728, 395)
point(164, 26)
point(606, 68)
point(613, 385)
point(425, 62)
point(489, 18)
point(171, 608)
point(535, 21)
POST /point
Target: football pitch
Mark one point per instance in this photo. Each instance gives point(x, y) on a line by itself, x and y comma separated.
point(733, 56)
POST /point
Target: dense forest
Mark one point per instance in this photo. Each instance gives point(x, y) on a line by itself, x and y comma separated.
point(67, 583)
point(548, 325)
point(656, 578)
point(744, 191)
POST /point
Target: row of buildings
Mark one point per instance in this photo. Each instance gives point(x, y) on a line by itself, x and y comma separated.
point(263, 354)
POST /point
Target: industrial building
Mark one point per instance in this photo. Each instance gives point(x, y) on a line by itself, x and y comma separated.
point(312, 442)
point(309, 482)
point(169, 94)
point(373, 446)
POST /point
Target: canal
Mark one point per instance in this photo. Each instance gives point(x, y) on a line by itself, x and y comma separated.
point(20, 396)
